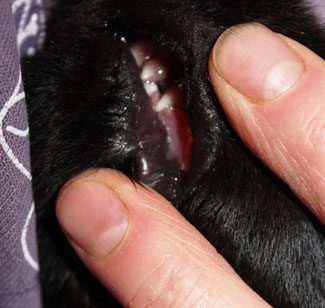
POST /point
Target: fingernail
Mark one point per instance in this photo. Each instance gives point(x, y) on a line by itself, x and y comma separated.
point(93, 217)
point(257, 62)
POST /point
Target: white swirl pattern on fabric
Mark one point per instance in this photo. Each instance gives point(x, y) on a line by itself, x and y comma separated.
point(30, 27)
point(23, 240)
point(17, 96)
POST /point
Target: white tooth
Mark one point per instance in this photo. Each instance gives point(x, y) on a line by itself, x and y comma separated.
point(165, 102)
point(150, 87)
point(173, 97)
point(153, 71)
point(140, 52)
point(177, 95)
point(152, 90)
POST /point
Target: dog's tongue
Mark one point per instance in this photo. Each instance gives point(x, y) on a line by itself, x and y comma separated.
point(160, 74)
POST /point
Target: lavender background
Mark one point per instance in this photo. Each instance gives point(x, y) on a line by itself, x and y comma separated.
point(22, 32)
point(21, 24)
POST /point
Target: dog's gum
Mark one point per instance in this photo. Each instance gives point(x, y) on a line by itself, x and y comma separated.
point(179, 136)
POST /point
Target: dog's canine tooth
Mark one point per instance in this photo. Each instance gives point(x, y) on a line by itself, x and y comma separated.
point(152, 90)
point(153, 71)
point(174, 96)
point(141, 51)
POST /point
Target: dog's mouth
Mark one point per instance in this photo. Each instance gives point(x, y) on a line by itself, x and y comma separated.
point(155, 93)
point(163, 135)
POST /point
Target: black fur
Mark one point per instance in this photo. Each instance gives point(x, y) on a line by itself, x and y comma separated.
point(77, 87)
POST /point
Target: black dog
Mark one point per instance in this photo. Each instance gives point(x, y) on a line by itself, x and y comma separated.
point(88, 107)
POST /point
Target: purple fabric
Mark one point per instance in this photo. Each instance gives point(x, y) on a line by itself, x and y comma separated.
point(21, 24)
point(318, 6)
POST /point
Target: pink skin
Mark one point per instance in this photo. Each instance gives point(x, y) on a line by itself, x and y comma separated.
point(179, 136)
point(248, 71)
point(286, 132)
point(162, 261)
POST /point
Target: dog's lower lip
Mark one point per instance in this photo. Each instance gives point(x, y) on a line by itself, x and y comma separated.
point(165, 169)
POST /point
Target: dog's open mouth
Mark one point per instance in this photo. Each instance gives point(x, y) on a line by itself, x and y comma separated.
point(162, 124)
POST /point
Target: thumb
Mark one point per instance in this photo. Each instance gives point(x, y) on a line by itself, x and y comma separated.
point(142, 249)
point(273, 92)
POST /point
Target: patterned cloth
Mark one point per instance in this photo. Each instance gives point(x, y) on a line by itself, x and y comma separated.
point(21, 32)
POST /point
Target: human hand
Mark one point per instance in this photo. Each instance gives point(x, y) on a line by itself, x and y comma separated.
point(139, 246)
point(273, 92)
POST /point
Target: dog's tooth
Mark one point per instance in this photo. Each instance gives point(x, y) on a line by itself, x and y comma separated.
point(153, 71)
point(174, 96)
point(165, 102)
point(141, 52)
point(153, 92)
